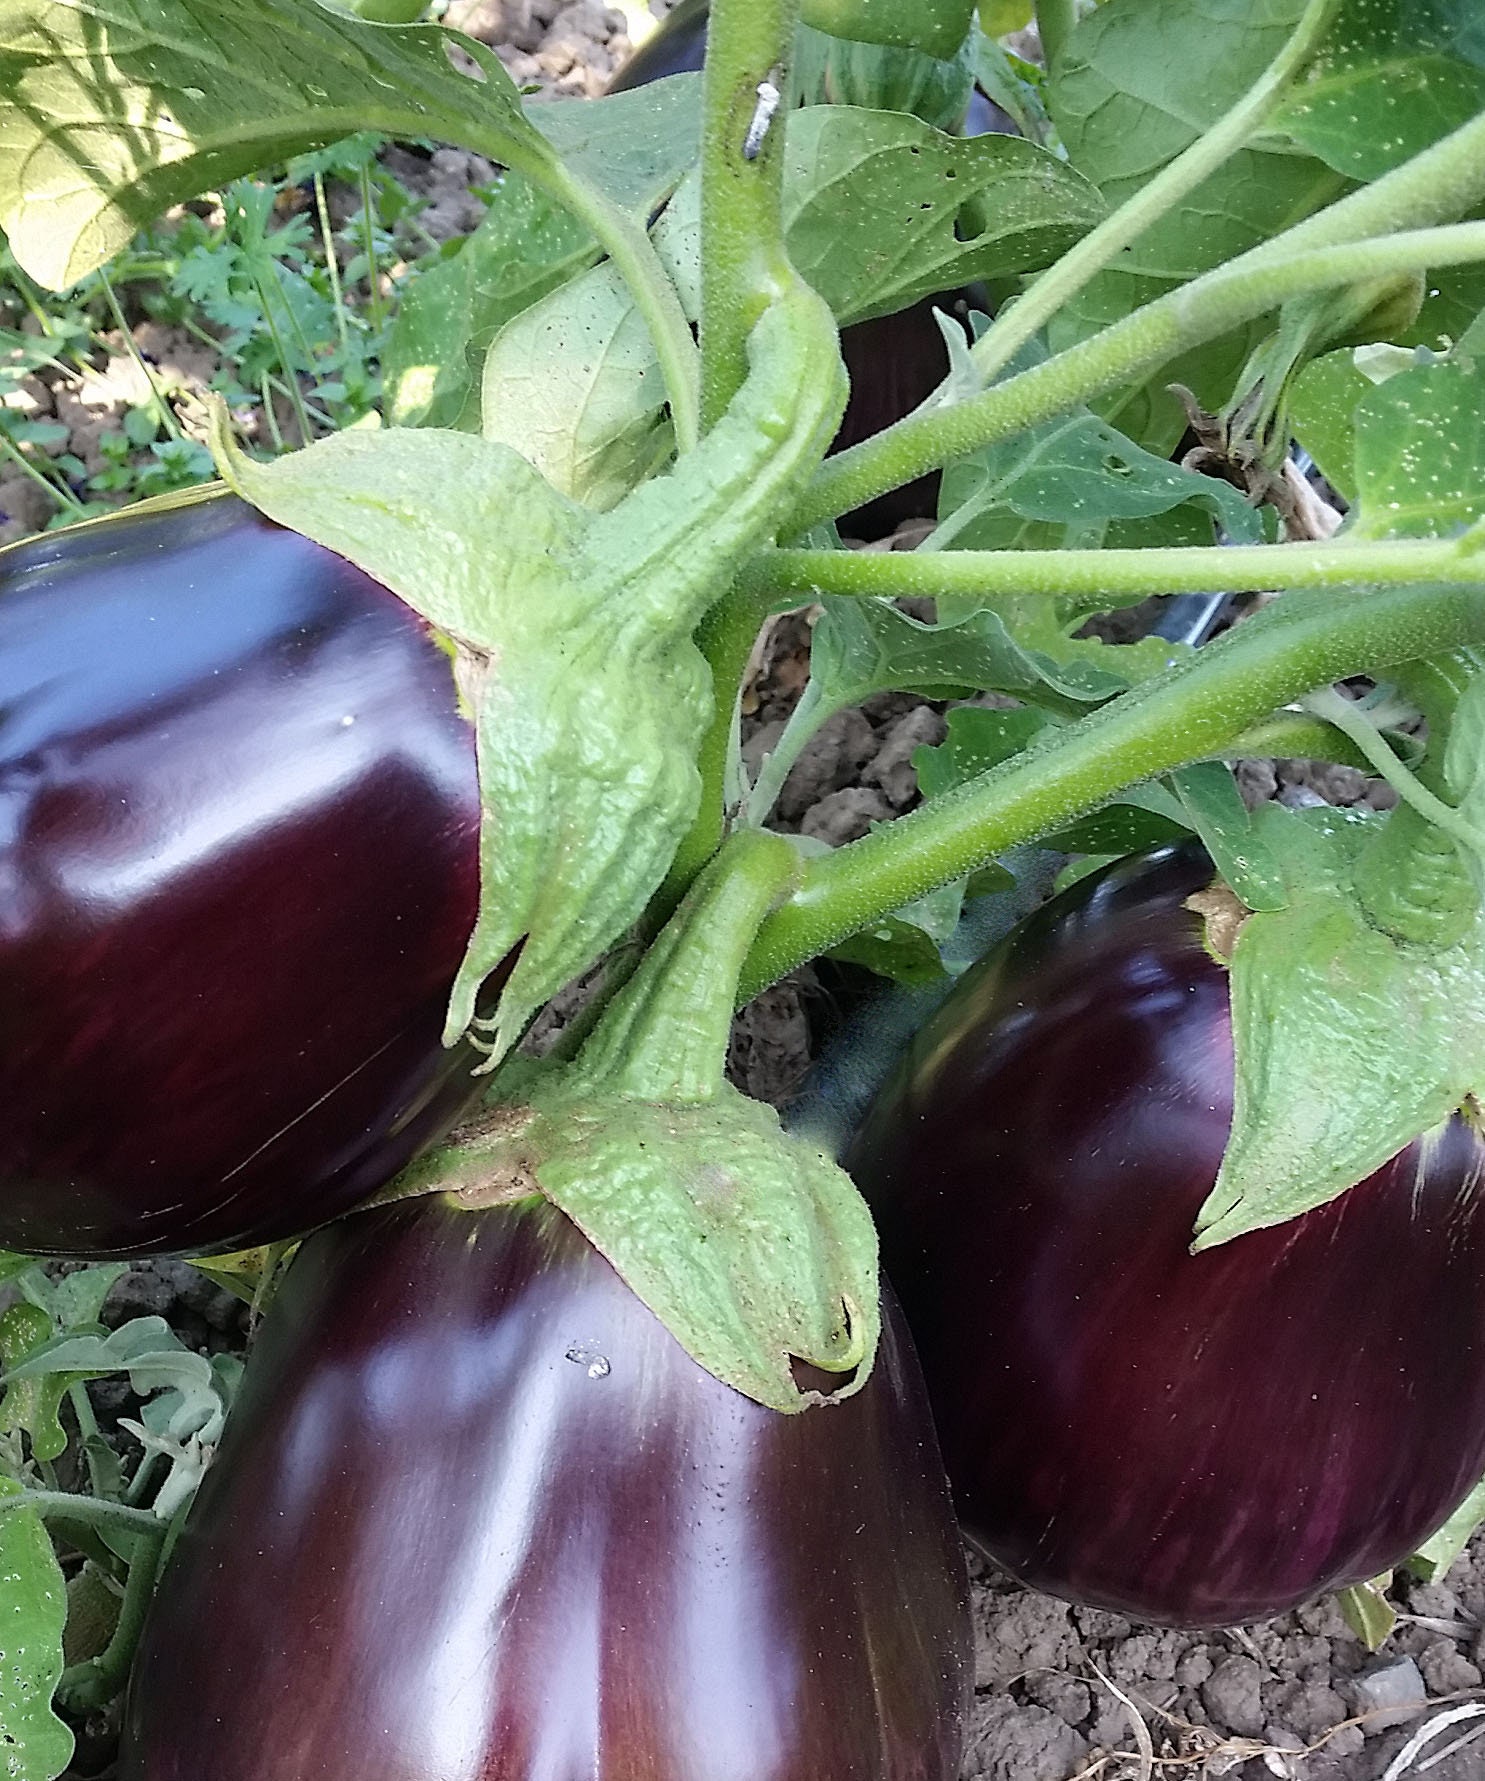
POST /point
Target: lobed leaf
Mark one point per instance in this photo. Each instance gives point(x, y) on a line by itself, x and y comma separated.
point(35, 1745)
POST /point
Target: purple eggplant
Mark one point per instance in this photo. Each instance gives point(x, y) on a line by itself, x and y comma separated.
point(1201, 1440)
point(478, 1517)
point(238, 868)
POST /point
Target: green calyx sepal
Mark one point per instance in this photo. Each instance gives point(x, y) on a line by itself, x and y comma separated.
point(1349, 1042)
point(572, 636)
point(753, 1248)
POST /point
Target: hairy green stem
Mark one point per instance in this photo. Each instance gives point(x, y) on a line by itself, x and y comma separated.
point(62, 496)
point(628, 245)
point(332, 263)
point(62, 1505)
point(163, 411)
point(664, 1037)
point(742, 171)
point(789, 577)
point(1195, 709)
point(1022, 320)
point(1130, 349)
point(83, 1687)
point(726, 636)
point(1349, 718)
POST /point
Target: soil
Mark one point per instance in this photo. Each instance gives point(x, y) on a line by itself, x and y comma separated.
point(1062, 1693)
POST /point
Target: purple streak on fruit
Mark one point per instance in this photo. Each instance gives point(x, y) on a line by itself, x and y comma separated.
point(238, 868)
point(1202, 1439)
point(478, 1517)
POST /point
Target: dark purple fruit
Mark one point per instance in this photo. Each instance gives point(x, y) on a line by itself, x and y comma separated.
point(1194, 1439)
point(238, 868)
point(479, 1516)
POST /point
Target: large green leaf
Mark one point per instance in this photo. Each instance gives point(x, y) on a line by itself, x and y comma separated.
point(874, 202)
point(528, 245)
point(1392, 78)
point(1141, 80)
point(111, 110)
point(34, 1743)
point(1420, 452)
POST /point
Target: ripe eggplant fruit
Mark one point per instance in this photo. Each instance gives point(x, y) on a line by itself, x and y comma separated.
point(477, 1515)
point(238, 868)
point(1200, 1440)
point(895, 362)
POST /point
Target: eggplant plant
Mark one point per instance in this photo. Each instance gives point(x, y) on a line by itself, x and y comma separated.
point(316, 789)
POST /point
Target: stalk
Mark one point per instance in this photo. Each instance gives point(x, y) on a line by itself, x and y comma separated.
point(1023, 320)
point(785, 577)
point(743, 261)
point(1055, 22)
point(1123, 353)
point(1197, 708)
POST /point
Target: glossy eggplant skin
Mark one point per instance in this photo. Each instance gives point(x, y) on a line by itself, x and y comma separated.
point(1200, 1440)
point(678, 46)
point(238, 868)
point(478, 1517)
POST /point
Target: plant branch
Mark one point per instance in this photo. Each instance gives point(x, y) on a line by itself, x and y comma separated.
point(1194, 709)
point(1128, 350)
point(789, 577)
point(726, 636)
point(62, 1505)
point(86, 1686)
point(1022, 320)
point(742, 169)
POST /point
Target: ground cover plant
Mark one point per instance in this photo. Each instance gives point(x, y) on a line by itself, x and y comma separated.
point(600, 470)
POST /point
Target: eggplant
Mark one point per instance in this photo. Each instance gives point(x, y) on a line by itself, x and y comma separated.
point(895, 362)
point(1199, 1440)
point(238, 868)
point(479, 1517)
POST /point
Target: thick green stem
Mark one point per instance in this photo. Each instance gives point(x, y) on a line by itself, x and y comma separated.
point(1197, 708)
point(789, 577)
point(1129, 350)
point(62, 1505)
point(1022, 320)
point(664, 1037)
point(726, 636)
point(742, 169)
point(628, 245)
point(87, 1686)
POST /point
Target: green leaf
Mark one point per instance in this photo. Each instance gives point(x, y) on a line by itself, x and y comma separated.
point(1322, 411)
point(31, 1404)
point(873, 202)
point(907, 945)
point(34, 1743)
point(1214, 808)
point(1420, 452)
point(1067, 485)
point(573, 382)
point(1139, 83)
point(1348, 1044)
point(1434, 1557)
point(980, 739)
point(112, 110)
point(1392, 77)
point(750, 1246)
point(1367, 1611)
point(634, 147)
point(526, 246)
